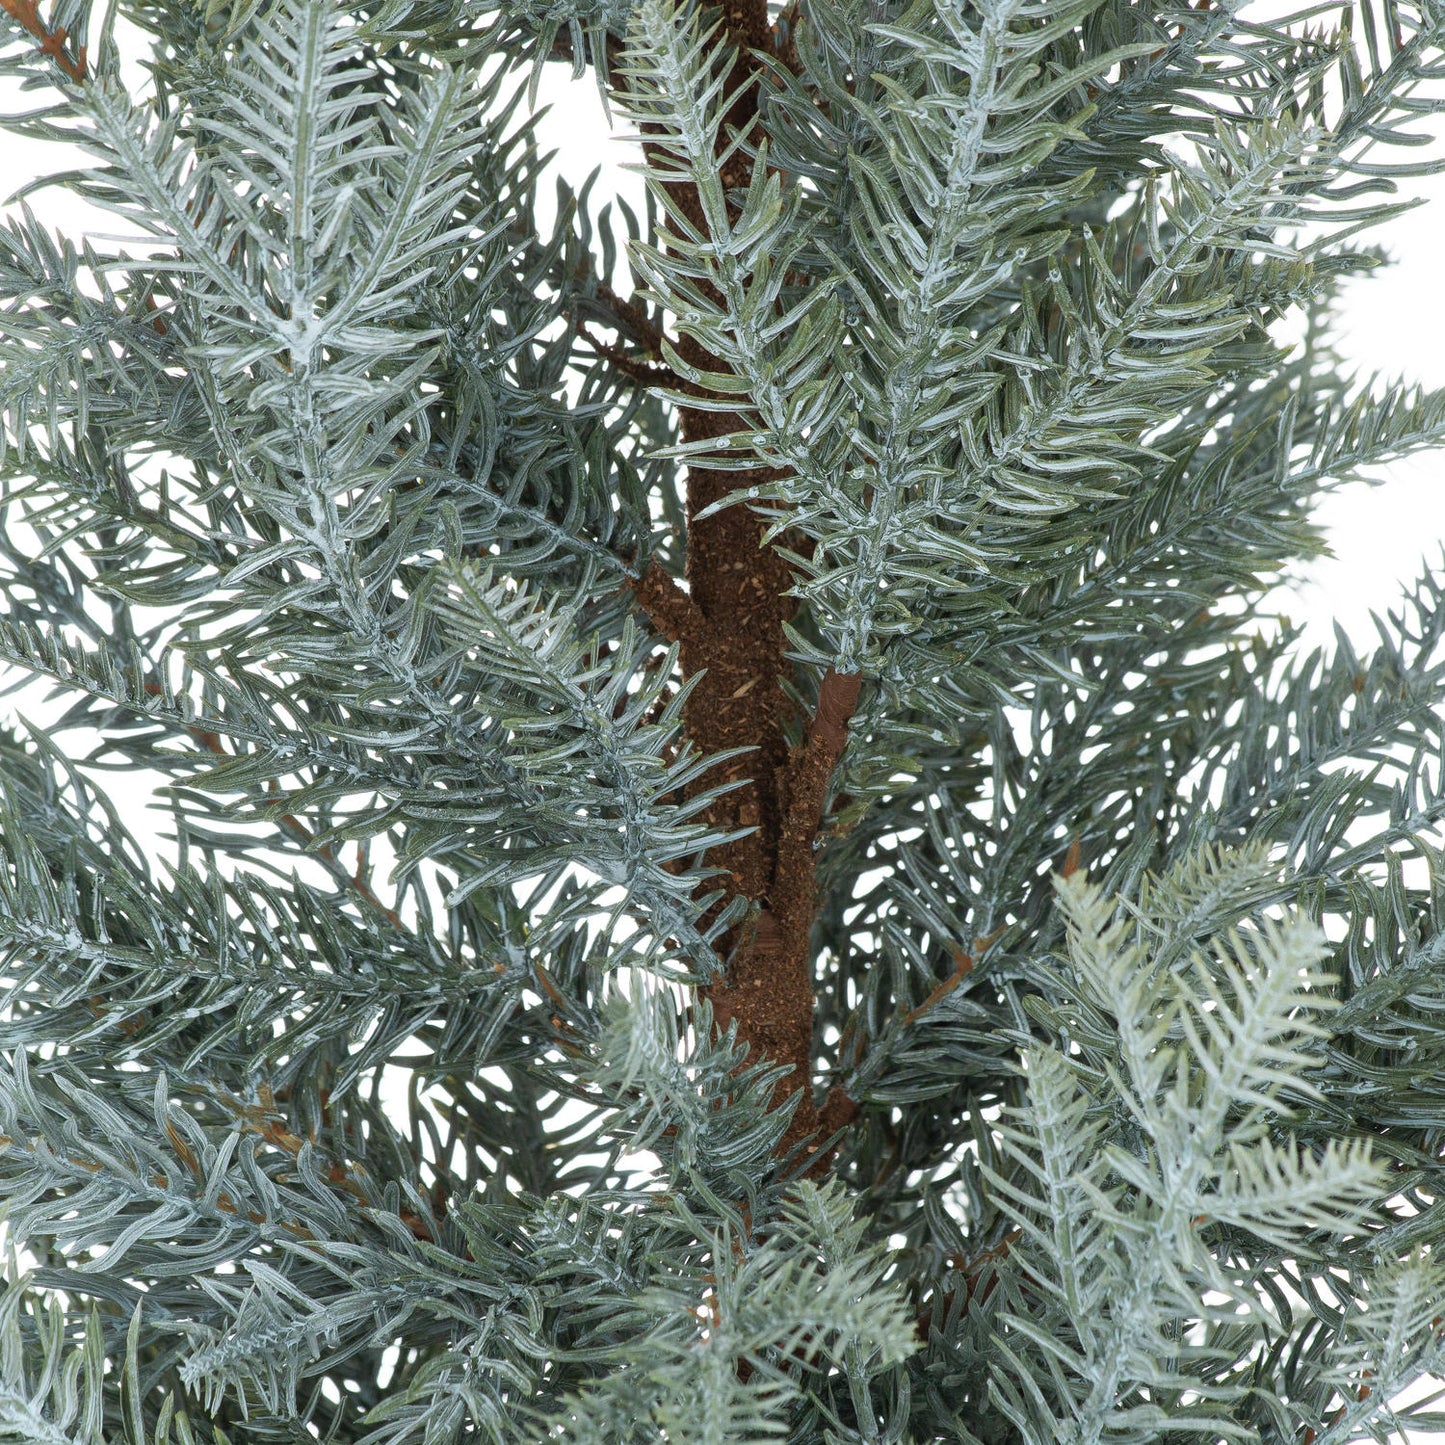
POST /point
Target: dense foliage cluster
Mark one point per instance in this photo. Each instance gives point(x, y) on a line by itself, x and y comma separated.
point(746, 865)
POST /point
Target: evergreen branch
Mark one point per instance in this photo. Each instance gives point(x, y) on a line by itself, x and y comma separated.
point(211, 742)
point(173, 193)
point(1402, 1324)
point(1108, 1229)
point(940, 435)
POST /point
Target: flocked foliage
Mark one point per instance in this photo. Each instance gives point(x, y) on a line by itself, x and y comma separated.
point(745, 862)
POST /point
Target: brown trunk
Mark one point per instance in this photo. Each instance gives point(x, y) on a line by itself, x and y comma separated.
point(730, 627)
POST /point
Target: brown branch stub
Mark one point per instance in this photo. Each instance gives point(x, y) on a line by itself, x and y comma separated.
point(810, 768)
point(803, 786)
point(158, 324)
point(26, 14)
point(785, 37)
point(962, 966)
point(837, 702)
point(671, 610)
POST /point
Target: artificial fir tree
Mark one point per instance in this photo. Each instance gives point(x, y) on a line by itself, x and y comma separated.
point(747, 865)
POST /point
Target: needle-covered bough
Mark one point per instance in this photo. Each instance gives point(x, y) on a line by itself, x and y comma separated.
point(737, 850)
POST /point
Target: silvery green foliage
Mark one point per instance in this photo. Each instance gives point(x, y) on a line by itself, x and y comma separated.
point(1147, 1137)
point(317, 504)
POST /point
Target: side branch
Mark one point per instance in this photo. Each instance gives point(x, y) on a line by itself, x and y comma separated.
point(962, 967)
point(671, 610)
point(631, 319)
point(803, 789)
point(639, 369)
point(810, 768)
point(26, 14)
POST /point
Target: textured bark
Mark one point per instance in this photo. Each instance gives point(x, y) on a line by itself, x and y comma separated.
point(729, 623)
